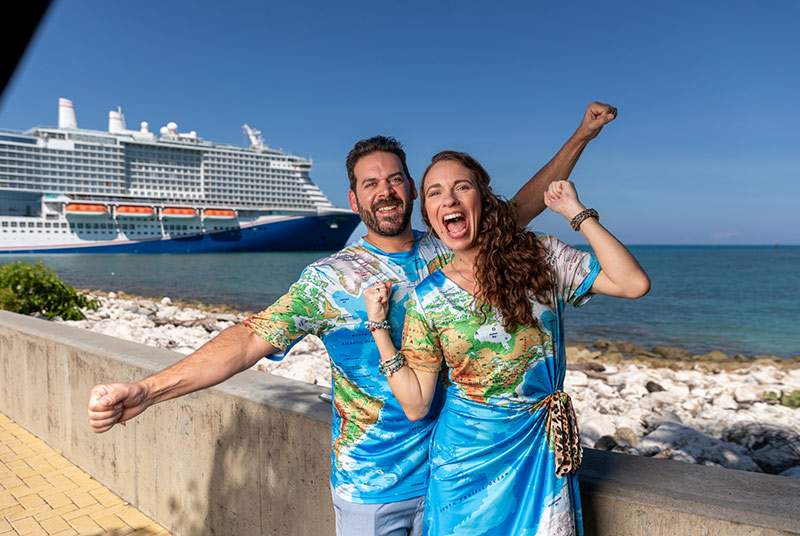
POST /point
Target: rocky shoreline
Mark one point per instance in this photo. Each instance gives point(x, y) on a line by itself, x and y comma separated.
point(712, 409)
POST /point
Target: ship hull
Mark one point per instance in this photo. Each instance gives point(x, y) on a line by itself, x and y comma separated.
point(301, 233)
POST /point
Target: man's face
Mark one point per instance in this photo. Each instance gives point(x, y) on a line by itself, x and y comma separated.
point(384, 196)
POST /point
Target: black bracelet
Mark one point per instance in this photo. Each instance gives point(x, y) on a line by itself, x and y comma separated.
point(581, 216)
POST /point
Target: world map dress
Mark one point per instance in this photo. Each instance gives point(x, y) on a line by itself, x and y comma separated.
point(504, 431)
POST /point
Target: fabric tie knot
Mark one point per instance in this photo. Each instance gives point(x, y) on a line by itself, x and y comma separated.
point(562, 432)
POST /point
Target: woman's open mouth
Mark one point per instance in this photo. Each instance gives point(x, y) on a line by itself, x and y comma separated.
point(455, 224)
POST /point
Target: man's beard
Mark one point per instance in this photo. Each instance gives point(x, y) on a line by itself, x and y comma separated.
point(391, 226)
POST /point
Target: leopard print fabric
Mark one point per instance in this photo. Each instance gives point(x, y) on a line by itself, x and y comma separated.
point(562, 433)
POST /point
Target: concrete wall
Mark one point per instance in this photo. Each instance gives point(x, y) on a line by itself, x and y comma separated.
point(251, 456)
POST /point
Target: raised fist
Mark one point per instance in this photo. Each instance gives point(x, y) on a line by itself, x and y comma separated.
point(114, 403)
point(597, 116)
point(376, 300)
point(562, 198)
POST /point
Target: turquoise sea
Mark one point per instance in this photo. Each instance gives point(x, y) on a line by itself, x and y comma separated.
point(738, 299)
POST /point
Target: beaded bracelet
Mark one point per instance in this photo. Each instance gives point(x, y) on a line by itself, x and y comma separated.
point(581, 216)
point(373, 325)
point(393, 364)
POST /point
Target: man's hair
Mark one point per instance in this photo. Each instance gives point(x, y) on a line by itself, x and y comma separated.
point(375, 144)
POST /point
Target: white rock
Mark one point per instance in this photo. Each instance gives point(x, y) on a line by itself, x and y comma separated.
point(593, 425)
point(219, 326)
point(767, 375)
point(691, 378)
point(575, 378)
point(692, 405)
point(186, 315)
point(166, 301)
point(634, 390)
point(680, 389)
point(598, 388)
point(167, 312)
point(744, 393)
point(666, 397)
point(725, 401)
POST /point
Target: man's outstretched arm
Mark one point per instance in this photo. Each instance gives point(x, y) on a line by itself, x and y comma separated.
point(530, 198)
point(235, 349)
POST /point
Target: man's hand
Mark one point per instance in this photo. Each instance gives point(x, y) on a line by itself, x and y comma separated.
point(597, 116)
point(114, 403)
point(529, 198)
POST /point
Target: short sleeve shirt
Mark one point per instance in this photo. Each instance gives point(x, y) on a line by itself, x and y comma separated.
point(378, 455)
point(486, 363)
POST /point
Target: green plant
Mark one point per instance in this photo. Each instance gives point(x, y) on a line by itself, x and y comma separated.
point(32, 289)
point(790, 400)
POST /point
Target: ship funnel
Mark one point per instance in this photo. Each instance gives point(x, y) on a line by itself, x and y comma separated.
point(116, 121)
point(66, 114)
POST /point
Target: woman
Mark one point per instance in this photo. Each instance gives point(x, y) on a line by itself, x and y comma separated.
point(506, 445)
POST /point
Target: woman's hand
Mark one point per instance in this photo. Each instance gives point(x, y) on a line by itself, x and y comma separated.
point(562, 198)
point(376, 299)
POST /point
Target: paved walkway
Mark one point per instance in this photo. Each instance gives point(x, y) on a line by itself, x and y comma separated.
point(43, 494)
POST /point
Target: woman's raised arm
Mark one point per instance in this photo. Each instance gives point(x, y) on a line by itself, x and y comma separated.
point(620, 273)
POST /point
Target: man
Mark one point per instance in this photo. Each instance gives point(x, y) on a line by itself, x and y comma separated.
point(379, 458)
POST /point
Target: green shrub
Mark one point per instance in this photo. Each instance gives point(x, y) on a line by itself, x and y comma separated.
point(791, 400)
point(35, 289)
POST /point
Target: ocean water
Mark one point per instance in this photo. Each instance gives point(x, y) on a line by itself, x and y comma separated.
point(738, 299)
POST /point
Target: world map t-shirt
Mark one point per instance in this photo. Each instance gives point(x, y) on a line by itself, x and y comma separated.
point(378, 455)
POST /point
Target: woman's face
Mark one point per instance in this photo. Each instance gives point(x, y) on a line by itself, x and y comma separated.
point(453, 204)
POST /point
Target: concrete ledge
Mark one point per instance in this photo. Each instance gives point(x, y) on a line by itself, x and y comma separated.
point(252, 455)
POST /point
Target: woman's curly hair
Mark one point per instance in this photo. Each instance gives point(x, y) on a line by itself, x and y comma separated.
point(511, 266)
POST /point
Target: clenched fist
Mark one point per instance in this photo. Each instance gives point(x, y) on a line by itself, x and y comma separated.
point(376, 301)
point(597, 116)
point(114, 403)
point(562, 198)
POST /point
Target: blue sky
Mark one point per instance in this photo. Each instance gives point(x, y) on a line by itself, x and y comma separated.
point(705, 150)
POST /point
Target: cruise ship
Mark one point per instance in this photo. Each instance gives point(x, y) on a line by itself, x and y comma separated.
point(73, 190)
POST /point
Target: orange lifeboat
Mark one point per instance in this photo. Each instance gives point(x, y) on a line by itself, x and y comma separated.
point(178, 213)
point(85, 209)
point(134, 211)
point(219, 214)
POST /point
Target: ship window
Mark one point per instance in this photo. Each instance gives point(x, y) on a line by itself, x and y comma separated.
point(5, 224)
